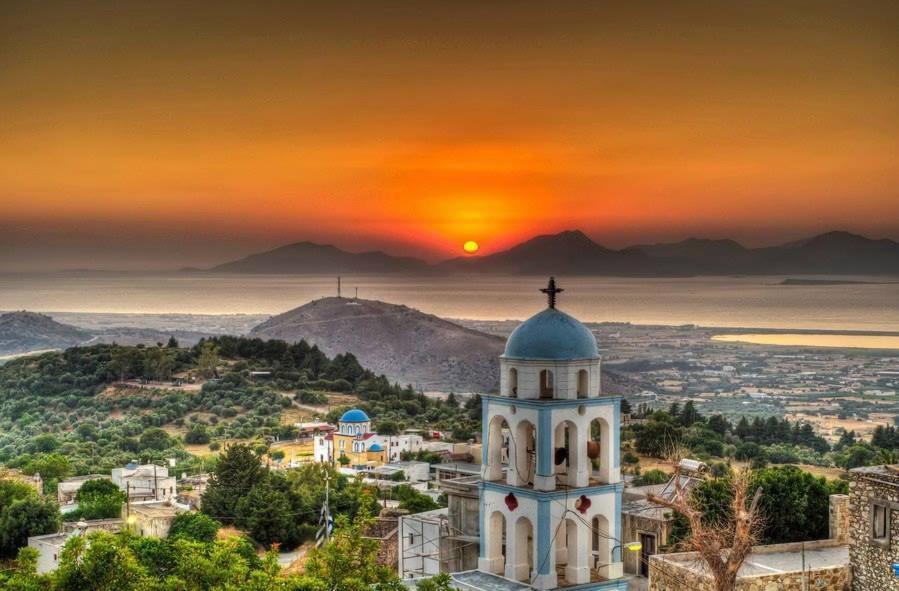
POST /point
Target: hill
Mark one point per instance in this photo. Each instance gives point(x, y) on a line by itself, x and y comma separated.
point(21, 332)
point(310, 258)
point(574, 253)
point(404, 344)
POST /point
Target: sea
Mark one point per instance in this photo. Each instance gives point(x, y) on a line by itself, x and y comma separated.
point(733, 302)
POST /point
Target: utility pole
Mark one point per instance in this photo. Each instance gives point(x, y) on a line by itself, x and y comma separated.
point(155, 484)
point(324, 532)
point(327, 506)
point(338, 286)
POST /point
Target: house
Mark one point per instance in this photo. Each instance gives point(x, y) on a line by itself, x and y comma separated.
point(67, 490)
point(49, 547)
point(150, 519)
point(33, 480)
point(874, 527)
point(147, 482)
point(385, 530)
point(649, 523)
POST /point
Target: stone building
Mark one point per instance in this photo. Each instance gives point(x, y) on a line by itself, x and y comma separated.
point(874, 528)
point(649, 523)
point(385, 530)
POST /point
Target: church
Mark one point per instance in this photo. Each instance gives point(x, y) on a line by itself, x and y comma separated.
point(551, 488)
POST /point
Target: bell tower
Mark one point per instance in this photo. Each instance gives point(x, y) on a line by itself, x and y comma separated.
point(551, 484)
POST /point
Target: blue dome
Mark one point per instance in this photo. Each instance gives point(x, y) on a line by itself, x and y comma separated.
point(551, 335)
point(354, 416)
point(375, 447)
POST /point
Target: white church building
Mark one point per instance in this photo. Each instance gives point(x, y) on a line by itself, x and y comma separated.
point(551, 489)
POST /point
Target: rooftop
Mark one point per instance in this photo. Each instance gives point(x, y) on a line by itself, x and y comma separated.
point(551, 335)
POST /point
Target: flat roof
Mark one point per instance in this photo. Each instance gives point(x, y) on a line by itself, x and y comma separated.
point(475, 579)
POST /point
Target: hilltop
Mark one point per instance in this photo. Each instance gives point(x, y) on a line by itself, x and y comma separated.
point(404, 344)
point(22, 331)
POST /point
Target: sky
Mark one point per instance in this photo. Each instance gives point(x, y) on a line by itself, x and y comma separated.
point(165, 134)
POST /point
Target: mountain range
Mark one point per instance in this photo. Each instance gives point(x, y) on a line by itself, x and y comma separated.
point(574, 253)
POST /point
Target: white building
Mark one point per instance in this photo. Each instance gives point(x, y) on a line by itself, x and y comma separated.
point(551, 517)
point(49, 547)
point(354, 438)
point(420, 548)
point(147, 482)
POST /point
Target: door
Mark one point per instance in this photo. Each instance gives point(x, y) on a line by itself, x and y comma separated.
point(648, 541)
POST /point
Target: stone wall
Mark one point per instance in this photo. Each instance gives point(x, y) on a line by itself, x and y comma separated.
point(676, 572)
point(871, 560)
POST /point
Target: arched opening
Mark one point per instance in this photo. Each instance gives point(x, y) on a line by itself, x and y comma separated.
point(497, 458)
point(523, 457)
point(583, 383)
point(567, 455)
point(602, 555)
point(513, 383)
point(523, 568)
point(546, 384)
point(601, 459)
point(496, 543)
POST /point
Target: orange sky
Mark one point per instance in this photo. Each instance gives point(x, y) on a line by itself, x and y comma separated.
point(157, 135)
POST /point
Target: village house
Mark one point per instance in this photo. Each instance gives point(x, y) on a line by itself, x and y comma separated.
point(67, 490)
point(150, 519)
point(874, 528)
point(49, 547)
point(147, 482)
point(649, 523)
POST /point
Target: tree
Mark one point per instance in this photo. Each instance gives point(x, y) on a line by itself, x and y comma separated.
point(23, 518)
point(265, 514)
point(99, 499)
point(208, 359)
point(795, 505)
point(237, 472)
point(173, 343)
point(651, 477)
point(155, 439)
point(348, 562)
point(196, 435)
point(723, 545)
point(99, 562)
point(414, 501)
point(194, 526)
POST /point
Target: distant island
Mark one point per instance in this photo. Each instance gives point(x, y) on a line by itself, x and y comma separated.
point(795, 281)
point(574, 253)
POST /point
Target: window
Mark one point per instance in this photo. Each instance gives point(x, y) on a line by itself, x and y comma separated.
point(880, 522)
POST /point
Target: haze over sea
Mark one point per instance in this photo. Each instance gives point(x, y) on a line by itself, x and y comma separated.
point(707, 301)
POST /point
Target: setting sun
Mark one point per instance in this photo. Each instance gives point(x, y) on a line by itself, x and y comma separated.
point(470, 247)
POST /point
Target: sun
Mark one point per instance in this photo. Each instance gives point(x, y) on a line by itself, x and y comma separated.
point(470, 247)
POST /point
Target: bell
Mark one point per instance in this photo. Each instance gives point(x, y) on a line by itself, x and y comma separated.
point(592, 449)
point(561, 455)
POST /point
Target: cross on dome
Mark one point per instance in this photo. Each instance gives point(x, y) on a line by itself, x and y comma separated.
point(551, 290)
